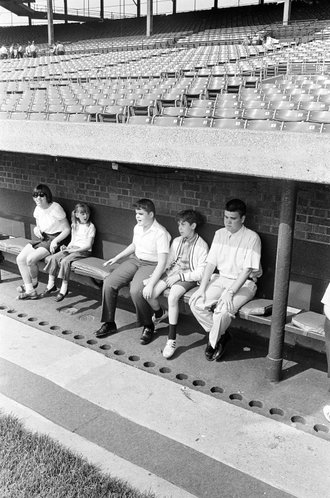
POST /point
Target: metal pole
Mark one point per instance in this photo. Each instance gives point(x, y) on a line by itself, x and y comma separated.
point(66, 11)
point(50, 22)
point(149, 17)
point(286, 12)
point(174, 7)
point(282, 280)
point(102, 9)
point(138, 8)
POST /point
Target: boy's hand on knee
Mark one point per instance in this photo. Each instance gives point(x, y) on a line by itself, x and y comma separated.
point(147, 291)
point(172, 280)
point(53, 246)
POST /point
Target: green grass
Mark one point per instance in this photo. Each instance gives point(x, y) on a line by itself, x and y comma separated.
point(33, 465)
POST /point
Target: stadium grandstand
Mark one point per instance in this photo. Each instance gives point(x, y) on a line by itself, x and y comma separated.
point(207, 106)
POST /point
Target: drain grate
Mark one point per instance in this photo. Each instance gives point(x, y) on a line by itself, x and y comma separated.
point(294, 419)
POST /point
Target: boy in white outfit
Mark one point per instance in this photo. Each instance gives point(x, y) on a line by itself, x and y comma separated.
point(235, 253)
point(184, 268)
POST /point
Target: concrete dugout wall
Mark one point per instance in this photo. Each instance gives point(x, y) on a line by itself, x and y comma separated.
point(111, 166)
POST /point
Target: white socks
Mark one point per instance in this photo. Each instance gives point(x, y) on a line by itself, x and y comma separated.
point(51, 282)
point(64, 287)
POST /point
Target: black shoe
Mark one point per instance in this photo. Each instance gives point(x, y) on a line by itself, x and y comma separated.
point(60, 297)
point(147, 335)
point(209, 352)
point(48, 292)
point(220, 349)
point(106, 329)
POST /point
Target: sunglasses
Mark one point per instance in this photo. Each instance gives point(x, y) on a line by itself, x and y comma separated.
point(38, 194)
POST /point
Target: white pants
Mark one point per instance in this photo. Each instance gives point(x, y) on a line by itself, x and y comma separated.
point(216, 322)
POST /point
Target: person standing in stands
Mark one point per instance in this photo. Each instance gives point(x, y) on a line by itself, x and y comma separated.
point(3, 52)
point(235, 252)
point(80, 246)
point(51, 228)
point(184, 268)
point(326, 308)
point(145, 258)
point(33, 50)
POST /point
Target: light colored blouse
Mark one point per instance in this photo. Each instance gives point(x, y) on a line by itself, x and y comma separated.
point(51, 220)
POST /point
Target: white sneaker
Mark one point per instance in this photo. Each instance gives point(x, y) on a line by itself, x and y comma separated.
point(169, 348)
point(163, 317)
point(326, 412)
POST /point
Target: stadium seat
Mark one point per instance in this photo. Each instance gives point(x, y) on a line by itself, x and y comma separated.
point(173, 111)
point(281, 104)
point(143, 107)
point(139, 120)
point(219, 113)
point(319, 117)
point(228, 123)
point(196, 122)
point(257, 114)
point(112, 114)
point(290, 115)
point(263, 125)
point(165, 121)
point(302, 127)
point(78, 118)
point(57, 116)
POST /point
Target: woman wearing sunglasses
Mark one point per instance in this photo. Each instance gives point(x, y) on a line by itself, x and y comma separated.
point(51, 228)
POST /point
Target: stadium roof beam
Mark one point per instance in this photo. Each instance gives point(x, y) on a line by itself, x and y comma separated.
point(286, 12)
point(50, 24)
point(149, 17)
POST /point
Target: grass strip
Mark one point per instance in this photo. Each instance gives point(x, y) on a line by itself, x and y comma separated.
point(34, 465)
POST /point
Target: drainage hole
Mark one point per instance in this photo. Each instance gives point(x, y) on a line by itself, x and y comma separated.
point(198, 383)
point(165, 370)
point(11, 311)
point(148, 364)
point(22, 315)
point(236, 397)
point(66, 332)
point(297, 419)
point(105, 346)
point(182, 376)
point(43, 323)
point(216, 389)
point(320, 428)
point(134, 358)
point(91, 342)
point(119, 352)
point(32, 319)
point(276, 411)
point(54, 327)
point(2, 307)
point(78, 337)
point(256, 404)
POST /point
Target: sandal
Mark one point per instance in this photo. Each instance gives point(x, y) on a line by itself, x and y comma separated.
point(28, 295)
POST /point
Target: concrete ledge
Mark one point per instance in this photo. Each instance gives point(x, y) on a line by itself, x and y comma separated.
point(281, 155)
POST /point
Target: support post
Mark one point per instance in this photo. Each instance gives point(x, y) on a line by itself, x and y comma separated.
point(174, 7)
point(286, 12)
point(66, 11)
point(149, 17)
point(50, 23)
point(282, 280)
point(138, 8)
point(215, 6)
point(102, 9)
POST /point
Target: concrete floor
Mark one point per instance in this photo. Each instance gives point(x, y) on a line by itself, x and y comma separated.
point(239, 378)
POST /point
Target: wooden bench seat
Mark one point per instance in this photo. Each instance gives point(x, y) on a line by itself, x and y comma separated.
point(93, 268)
